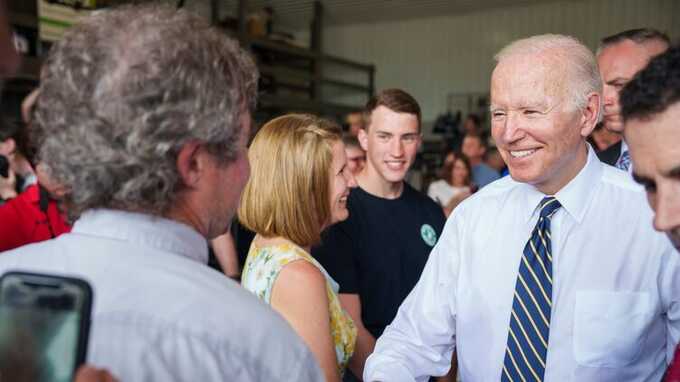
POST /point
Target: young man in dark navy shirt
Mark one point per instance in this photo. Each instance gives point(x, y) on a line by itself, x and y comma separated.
point(377, 254)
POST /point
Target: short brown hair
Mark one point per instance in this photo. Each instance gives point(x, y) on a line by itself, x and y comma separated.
point(288, 192)
point(479, 137)
point(639, 36)
point(396, 100)
point(351, 141)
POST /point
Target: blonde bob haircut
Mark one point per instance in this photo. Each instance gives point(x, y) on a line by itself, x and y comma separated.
point(288, 193)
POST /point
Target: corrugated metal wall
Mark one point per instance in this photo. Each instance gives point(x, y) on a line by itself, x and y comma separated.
point(436, 56)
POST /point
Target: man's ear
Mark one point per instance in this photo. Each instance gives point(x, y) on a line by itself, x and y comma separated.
point(590, 114)
point(190, 163)
point(54, 188)
point(363, 139)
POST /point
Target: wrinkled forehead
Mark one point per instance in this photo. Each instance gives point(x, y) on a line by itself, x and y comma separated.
point(526, 80)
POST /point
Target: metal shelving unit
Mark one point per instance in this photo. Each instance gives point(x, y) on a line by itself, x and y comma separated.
point(22, 16)
point(294, 79)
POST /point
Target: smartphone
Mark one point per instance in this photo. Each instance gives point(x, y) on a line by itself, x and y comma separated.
point(44, 326)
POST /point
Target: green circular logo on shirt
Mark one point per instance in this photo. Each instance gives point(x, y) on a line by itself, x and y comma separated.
point(428, 234)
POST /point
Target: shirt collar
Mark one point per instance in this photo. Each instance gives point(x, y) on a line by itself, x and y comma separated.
point(624, 147)
point(146, 230)
point(575, 196)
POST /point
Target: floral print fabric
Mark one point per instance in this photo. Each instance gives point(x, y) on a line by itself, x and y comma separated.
point(260, 271)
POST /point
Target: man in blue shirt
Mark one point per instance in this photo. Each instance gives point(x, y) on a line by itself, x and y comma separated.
point(474, 148)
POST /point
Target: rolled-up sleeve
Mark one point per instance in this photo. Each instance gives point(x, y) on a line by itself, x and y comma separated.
point(420, 341)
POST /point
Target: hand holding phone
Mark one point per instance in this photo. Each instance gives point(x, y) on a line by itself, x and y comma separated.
point(44, 326)
point(91, 374)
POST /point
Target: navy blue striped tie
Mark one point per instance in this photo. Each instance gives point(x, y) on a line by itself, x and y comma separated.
point(623, 162)
point(527, 346)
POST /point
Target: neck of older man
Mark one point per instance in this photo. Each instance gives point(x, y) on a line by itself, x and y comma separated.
point(572, 166)
point(185, 213)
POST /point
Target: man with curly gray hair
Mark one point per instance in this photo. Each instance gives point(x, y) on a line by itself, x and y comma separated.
point(143, 117)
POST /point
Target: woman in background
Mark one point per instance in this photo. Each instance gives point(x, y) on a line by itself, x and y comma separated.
point(298, 186)
point(455, 185)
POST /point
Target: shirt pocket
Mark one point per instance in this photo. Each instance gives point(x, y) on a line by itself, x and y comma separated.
point(610, 327)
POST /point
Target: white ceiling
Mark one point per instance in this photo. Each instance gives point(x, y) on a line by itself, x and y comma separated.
point(296, 14)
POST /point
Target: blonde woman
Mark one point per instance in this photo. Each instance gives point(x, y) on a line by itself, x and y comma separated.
point(298, 186)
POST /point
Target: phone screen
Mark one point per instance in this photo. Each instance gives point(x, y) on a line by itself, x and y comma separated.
point(42, 323)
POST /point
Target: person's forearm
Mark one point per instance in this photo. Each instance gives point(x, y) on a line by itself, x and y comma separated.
point(225, 252)
point(453, 372)
point(364, 347)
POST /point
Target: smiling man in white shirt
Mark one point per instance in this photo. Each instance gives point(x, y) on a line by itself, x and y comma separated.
point(554, 273)
point(143, 116)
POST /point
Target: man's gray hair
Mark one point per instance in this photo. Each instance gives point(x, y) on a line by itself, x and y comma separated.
point(576, 60)
point(124, 90)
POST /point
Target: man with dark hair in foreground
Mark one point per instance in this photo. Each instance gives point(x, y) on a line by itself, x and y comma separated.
point(651, 112)
point(378, 253)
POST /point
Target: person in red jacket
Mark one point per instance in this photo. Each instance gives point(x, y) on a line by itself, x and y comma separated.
point(31, 217)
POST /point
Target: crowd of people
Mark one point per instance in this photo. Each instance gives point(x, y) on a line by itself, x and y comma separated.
point(535, 258)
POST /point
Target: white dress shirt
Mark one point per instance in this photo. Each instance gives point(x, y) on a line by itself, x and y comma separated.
point(616, 288)
point(160, 313)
